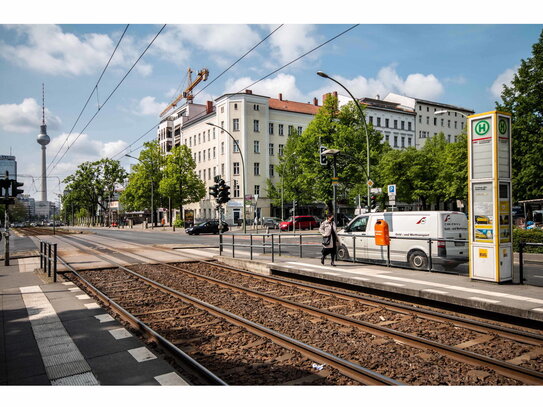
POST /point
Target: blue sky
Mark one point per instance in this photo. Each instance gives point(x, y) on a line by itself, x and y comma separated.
point(460, 64)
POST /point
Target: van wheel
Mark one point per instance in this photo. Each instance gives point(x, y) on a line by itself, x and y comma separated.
point(418, 260)
point(342, 253)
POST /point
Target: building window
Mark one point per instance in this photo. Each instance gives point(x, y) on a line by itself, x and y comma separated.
point(213, 133)
point(256, 107)
point(236, 146)
point(222, 109)
point(299, 130)
point(235, 106)
point(272, 172)
point(199, 139)
point(427, 119)
point(209, 153)
point(270, 128)
point(214, 171)
point(435, 121)
point(403, 142)
point(403, 124)
point(214, 151)
point(257, 146)
point(420, 107)
point(449, 138)
point(257, 189)
point(222, 169)
point(379, 122)
point(256, 168)
point(370, 120)
point(409, 126)
point(409, 141)
point(290, 130)
point(190, 141)
point(208, 135)
point(236, 189)
point(280, 150)
point(204, 155)
point(442, 122)
point(387, 138)
point(222, 125)
point(281, 132)
point(455, 124)
point(420, 119)
point(395, 124)
point(236, 168)
point(387, 122)
point(270, 149)
point(200, 174)
point(222, 147)
point(448, 123)
point(427, 108)
point(395, 141)
point(199, 156)
point(209, 173)
point(235, 125)
point(256, 126)
point(455, 139)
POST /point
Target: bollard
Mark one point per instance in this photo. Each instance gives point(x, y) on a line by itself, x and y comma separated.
point(41, 255)
point(388, 255)
point(429, 254)
point(251, 244)
point(220, 244)
point(279, 242)
point(55, 263)
point(273, 251)
point(263, 244)
point(354, 249)
point(521, 262)
point(300, 245)
point(49, 260)
point(233, 254)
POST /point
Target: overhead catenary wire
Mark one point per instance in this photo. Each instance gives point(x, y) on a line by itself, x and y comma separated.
point(112, 93)
point(94, 89)
point(261, 79)
point(209, 84)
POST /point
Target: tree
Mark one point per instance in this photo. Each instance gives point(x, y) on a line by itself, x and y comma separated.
point(179, 180)
point(144, 180)
point(524, 100)
point(92, 185)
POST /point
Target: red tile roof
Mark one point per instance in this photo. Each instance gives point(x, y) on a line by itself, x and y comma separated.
point(297, 107)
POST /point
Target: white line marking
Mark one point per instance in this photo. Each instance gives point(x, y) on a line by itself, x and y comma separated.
point(484, 300)
point(104, 318)
point(141, 354)
point(431, 290)
point(73, 289)
point(120, 333)
point(537, 309)
point(394, 284)
point(171, 379)
point(68, 283)
point(92, 305)
point(82, 297)
point(361, 278)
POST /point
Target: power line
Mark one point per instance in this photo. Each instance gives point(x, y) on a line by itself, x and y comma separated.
point(209, 84)
point(111, 94)
point(95, 88)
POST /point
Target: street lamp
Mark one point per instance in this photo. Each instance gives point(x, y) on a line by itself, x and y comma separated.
point(324, 75)
point(242, 169)
point(333, 153)
point(152, 193)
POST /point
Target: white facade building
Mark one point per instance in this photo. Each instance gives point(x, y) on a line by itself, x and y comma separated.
point(259, 124)
point(451, 121)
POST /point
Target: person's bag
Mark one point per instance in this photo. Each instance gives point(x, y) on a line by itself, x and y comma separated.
point(326, 240)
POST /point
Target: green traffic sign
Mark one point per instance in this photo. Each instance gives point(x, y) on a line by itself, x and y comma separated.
point(502, 126)
point(482, 127)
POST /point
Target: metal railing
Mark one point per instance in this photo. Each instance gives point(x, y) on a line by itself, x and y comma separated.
point(48, 259)
point(521, 246)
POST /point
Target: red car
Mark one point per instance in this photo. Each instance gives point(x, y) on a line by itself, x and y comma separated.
point(301, 222)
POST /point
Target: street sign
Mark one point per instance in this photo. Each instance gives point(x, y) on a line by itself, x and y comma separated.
point(370, 183)
point(391, 201)
point(391, 189)
point(376, 190)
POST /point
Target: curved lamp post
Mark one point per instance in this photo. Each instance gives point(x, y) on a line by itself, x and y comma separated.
point(324, 75)
point(152, 197)
point(242, 169)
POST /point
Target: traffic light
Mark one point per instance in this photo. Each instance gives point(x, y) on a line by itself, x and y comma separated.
point(5, 185)
point(15, 188)
point(224, 192)
point(214, 191)
point(373, 202)
point(323, 159)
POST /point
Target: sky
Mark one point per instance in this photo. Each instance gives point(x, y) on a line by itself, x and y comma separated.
point(456, 62)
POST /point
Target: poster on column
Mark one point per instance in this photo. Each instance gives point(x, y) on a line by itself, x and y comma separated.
point(483, 213)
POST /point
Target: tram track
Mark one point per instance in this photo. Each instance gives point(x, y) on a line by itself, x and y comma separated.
point(521, 374)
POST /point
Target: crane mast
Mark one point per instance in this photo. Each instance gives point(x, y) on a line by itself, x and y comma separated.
point(187, 93)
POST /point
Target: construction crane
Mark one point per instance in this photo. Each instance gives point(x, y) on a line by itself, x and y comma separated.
point(187, 93)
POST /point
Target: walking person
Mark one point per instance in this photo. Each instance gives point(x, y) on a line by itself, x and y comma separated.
point(330, 240)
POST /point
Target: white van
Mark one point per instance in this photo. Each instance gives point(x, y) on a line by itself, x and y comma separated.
point(358, 238)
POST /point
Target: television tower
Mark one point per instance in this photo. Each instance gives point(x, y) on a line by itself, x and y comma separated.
point(43, 140)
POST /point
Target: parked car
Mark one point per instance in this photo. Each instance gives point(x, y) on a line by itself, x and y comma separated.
point(423, 225)
point(300, 222)
point(272, 223)
point(210, 226)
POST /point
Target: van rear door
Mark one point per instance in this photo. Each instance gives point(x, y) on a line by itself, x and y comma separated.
point(454, 225)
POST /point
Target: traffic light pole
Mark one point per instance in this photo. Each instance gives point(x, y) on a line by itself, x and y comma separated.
point(6, 238)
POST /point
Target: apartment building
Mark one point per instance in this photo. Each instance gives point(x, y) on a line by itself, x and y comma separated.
point(260, 125)
point(433, 117)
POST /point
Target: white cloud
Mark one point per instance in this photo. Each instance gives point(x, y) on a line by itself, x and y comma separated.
point(388, 80)
point(504, 78)
point(26, 117)
point(291, 41)
point(282, 83)
point(149, 106)
point(48, 49)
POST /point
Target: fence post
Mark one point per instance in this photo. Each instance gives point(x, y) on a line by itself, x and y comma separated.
point(55, 263)
point(388, 254)
point(49, 260)
point(264, 244)
point(300, 245)
point(521, 262)
point(354, 249)
point(429, 254)
point(251, 244)
point(41, 255)
point(220, 244)
point(233, 246)
point(273, 249)
point(279, 241)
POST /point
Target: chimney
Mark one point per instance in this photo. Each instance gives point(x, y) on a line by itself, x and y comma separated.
point(249, 91)
point(209, 107)
point(315, 102)
point(335, 94)
point(280, 96)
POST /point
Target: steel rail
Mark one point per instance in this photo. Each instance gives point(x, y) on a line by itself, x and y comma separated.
point(193, 366)
point(349, 369)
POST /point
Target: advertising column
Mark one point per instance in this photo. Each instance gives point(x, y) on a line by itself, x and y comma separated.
point(489, 189)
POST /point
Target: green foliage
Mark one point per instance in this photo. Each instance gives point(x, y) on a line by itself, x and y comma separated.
point(178, 223)
point(524, 100)
point(91, 185)
point(531, 236)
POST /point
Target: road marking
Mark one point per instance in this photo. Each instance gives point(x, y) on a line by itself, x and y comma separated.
point(82, 297)
point(91, 305)
point(484, 300)
point(68, 283)
point(141, 354)
point(73, 289)
point(171, 379)
point(104, 318)
point(120, 333)
point(431, 290)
